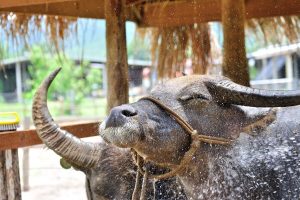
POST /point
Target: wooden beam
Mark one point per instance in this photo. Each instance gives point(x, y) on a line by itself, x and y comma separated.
point(26, 3)
point(271, 8)
point(71, 8)
point(116, 54)
point(176, 13)
point(80, 8)
point(18, 3)
point(17, 139)
point(163, 14)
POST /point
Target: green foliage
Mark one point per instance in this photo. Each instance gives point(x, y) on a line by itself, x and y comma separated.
point(138, 49)
point(1, 90)
point(72, 84)
point(3, 52)
point(88, 108)
point(1, 85)
point(253, 72)
point(252, 44)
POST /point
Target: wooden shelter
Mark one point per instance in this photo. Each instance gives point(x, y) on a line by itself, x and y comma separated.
point(163, 14)
point(151, 13)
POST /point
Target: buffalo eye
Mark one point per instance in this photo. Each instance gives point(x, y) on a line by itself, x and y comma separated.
point(186, 98)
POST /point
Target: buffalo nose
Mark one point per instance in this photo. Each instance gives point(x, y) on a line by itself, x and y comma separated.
point(119, 115)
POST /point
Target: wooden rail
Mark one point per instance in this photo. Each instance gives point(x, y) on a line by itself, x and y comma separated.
point(17, 139)
point(5, 3)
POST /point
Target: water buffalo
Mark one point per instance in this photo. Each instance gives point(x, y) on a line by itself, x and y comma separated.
point(261, 162)
point(110, 171)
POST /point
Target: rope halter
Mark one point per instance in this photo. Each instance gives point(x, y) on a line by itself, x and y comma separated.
point(196, 139)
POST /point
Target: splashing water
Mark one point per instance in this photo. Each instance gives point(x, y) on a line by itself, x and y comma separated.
point(257, 167)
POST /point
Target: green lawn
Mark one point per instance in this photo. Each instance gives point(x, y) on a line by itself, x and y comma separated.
point(89, 108)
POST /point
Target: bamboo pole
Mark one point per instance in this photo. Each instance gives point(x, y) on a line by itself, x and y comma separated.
point(235, 65)
point(116, 56)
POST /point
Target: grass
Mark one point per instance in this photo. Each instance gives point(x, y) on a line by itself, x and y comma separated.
point(89, 108)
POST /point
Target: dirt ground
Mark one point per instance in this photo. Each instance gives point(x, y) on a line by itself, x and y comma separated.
point(48, 180)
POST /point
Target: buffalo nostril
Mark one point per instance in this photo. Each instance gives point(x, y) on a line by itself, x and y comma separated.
point(129, 113)
point(119, 115)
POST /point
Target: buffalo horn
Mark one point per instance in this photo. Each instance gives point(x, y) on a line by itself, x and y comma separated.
point(228, 92)
point(74, 150)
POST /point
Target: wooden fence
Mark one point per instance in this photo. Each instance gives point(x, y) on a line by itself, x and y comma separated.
point(9, 163)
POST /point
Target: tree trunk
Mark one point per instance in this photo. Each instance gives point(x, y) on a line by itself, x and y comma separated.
point(235, 65)
point(116, 56)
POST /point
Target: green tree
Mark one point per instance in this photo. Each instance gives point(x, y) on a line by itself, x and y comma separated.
point(73, 83)
point(139, 49)
point(3, 52)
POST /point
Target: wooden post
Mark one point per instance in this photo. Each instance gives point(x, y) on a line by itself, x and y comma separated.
point(25, 166)
point(116, 53)
point(19, 81)
point(289, 70)
point(235, 65)
point(3, 190)
point(10, 188)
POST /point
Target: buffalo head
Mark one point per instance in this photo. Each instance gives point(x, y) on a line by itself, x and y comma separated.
point(110, 171)
point(209, 103)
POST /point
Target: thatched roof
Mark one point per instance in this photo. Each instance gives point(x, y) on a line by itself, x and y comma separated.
point(20, 27)
point(172, 46)
point(280, 30)
point(175, 44)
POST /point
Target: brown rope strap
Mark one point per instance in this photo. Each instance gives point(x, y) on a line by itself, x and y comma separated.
point(195, 143)
point(186, 126)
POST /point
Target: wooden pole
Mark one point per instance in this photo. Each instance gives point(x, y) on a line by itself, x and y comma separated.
point(116, 56)
point(235, 65)
point(3, 190)
point(289, 70)
point(25, 166)
point(10, 188)
point(13, 175)
point(19, 82)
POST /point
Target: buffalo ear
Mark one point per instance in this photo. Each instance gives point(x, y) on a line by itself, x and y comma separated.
point(260, 123)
